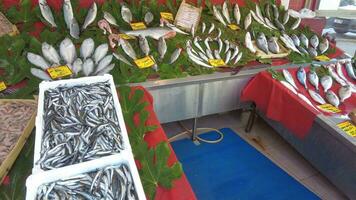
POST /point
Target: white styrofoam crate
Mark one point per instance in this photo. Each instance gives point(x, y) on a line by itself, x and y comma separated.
point(46, 85)
point(34, 181)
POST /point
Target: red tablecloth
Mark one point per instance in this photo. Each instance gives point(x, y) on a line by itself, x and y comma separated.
point(181, 188)
point(280, 104)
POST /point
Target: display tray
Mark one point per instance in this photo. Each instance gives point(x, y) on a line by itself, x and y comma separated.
point(15, 127)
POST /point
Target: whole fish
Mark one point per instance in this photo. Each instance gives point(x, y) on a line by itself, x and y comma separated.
point(77, 66)
point(220, 44)
point(50, 53)
point(104, 25)
point(314, 41)
point(285, 17)
point(238, 57)
point(203, 56)
point(296, 23)
point(196, 43)
point(350, 70)
point(128, 49)
point(289, 44)
point(37, 60)
point(203, 27)
point(269, 23)
point(237, 13)
point(225, 12)
point(334, 75)
point(100, 52)
point(345, 92)
point(275, 11)
point(314, 80)
point(174, 28)
point(126, 14)
point(290, 40)
point(70, 20)
point(206, 42)
point(248, 20)
point(305, 99)
point(218, 16)
point(144, 46)
point(268, 11)
point(212, 27)
point(216, 54)
point(302, 50)
point(122, 58)
point(209, 54)
point(67, 51)
point(175, 55)
point(302, 77)
point(236, 51)
point(109, 18)
point(340, 73)
point(227, 45)
point(90, 16)
point(296, 40)
point(324, 45)
point(259, 13)
point(106, 70)
point(332, 98)
point(326, 82)
point(289, 78)
point(312, 52)
point(195, 59)
point(87, 48)
point(254, 16)
point(46, 12)
point(304, 40)
point(103, 63)
point(162, 47)
point(262, 42)
point(228, 57)
point(248, 43)
point(219, 33)
point(148, 17)
point(289, 86)
point(279, 25)
point(154, 32)
point(40, 74)
point(74, 29)
point(273, 45)
point(88, 67)
point(316, 97)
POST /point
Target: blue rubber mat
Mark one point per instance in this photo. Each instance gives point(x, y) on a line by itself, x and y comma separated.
point(233, 169)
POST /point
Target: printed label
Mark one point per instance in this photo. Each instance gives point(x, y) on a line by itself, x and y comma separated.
point(144, 62)
point(348, 128)
point(126, 37)
point(329, 108)
point(59, 71)
point(2, 86)
point(138, 26)
point(217, 62)
point(233, 27)
point(322, 58)
point(167, 16)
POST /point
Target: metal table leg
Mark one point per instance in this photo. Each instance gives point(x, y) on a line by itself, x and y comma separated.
point(251, 118)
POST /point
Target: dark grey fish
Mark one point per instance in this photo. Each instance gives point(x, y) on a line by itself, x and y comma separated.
point(273, 45)
point(324, 45)
point(279, 25)
point(262, 42)
point(314, 41)
point(312, 52)
point(275, 11)
point(302, 50)
point(304, 40)
point(295, 39)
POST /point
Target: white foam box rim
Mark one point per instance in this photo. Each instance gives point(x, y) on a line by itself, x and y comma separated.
point(45, 85)
point(34, 181)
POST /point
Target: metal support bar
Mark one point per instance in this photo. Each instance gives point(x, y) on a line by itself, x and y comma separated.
point(194, 129)
point(251, 118)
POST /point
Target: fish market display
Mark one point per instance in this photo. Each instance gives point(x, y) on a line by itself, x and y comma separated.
point(350, 70)
point(113, 182)
point(80, 124)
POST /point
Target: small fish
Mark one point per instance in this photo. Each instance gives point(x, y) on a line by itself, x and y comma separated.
point(345, 92)
point(37, 60)
point(67, 51)
point(206, 42)
point(212, 27)
point(326, 82)
point(144, 46)
point(332, 98)
point(153, 32)
point(289, 86)
point(162, 47)
point(100, 52)
point(236, 51)
point(70, 20)
point(103, 63)
point(128, 49)
point(279, 25)
point(248, 43)
point(203, 27)
point(350, 70)
point(195, 59)
point(203, 56)
point(289, 78)
point(209, 54)
point(268, 11)
point(87, 48)
point(148, 17)
point(227, 45)
point(262, 42)
point(40, 74)
point(275, 11)
point(50, 53)
point(316, 97)
point(285, 18)
point(88, 67)
point(219, 33)
point(77, 66)
point(314, 80)
point(220, 44)
point(340, 73)
point(196, 43)
point(273, 45)
point(126, 14)
point(314, 41)
point(289, 44)
point(269, 23)
point(237, 13)
point(122, 58)
point(312, 52)
point(218, 16)
point(305, 99)
point(228, 57)
point(46, 12)
point(324, 45)
point(304, 40)
point(238, 57)
point(296, 23)
point(296, 40)
point(192, 31)
point(302, 77)
point(216, 54)
point(109, 18)
point(90, 16)
point(175, 55)
point(302, 50)
point(334, 75)
point(104, 25)
point(225, 12)
point(74, 29)
point(248, 20)
point(258, 12)
point(254, 16)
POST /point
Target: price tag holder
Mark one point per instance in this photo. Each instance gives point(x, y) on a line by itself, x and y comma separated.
point(126, 37)
point(217, 62)
point(167, 16)
point(188, 16)
point(329, 108)
point(144, 62)
point(138, 26)
point(322, 58)
point(233, 27)
point(3, 86)
point(348, 128)
point(59, 71)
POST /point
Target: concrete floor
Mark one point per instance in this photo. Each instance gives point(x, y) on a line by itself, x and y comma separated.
point(269, 143)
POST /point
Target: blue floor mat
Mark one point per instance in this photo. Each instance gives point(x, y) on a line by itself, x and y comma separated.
point(233, 169)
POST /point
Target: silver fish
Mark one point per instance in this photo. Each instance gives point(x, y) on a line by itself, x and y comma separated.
point(106, 70)
point(269, 23)
point(254, 16)
point(37, 60)
point(109, 18)
point(144, 46)
point(238, 57)
point(340, 73)
point(289, 86)
point(100, 52)
point(237, 13)
point(196, 43)
point(162, 47)
point(296, 23)
point(326, 82)
point(216, 54)
point(275, 11)
point(122, 58)
point(203, 56)
point(154, 32)
point(345, 92)
point(248, 43)
point(209, 54)
point(218, 16)
point(302, 77)
point(227, 45)
point(103, 63)
point(236, 51)
point(206, 42)
point(302, 50)
point(334, 75)
point(316, 97)
point(248, 20)
point(332, 98)
point(148, 17)
point(279, 25)
point(50, 53)
point(90, 16)
point(314, 80)
point(259, 13)
point(312, 52)
point(225, 12)
point(74, 29)
point(296, 40)
point(175, 55)
point(40, 74)
point(304, 40)
point(285, 17)
point(324, 45)
point(219, 33)
point(268, 11)
point(128, 49)
point(314, 41)
point(262, 42)
point(126, 14)
point(289, 78)
point(273, 45)
point(227, 57)
point(77, 66)
point(350, 70)
point(88, 67)
point(46, 12)
point(87, 48)
point(203, 27)
point(70, 20)
point(305, 99)
point(221, 44)
point(195, 59)
point(67, 51)
point(212, 27)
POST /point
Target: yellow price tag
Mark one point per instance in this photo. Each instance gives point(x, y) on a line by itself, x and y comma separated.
point(2, 86)
point(322, 58)
point(348, 128)
point(59, 71)
point(144, 62)
point(217, 62)
point(233, 27)
point(329, 108)
point(167, 16)
point(126, 37)
point(138, 26)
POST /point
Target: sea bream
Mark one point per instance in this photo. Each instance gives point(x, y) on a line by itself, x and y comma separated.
point(324, 45)
point(262, 42)
point(302, 77)
point(326, 82)
point(273, 45)
point(289, 78)
point(46, 12)
point(316, 97)
point(345, 92)
point(154, 32)
point(314, 79)
point(332, 98)
point(304, 40)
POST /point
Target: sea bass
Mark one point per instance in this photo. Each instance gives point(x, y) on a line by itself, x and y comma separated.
point(248, 43)
point(154, 32)
point(345, 92)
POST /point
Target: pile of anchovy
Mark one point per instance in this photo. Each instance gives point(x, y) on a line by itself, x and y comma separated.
point(80, 124)
point(113, 182)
